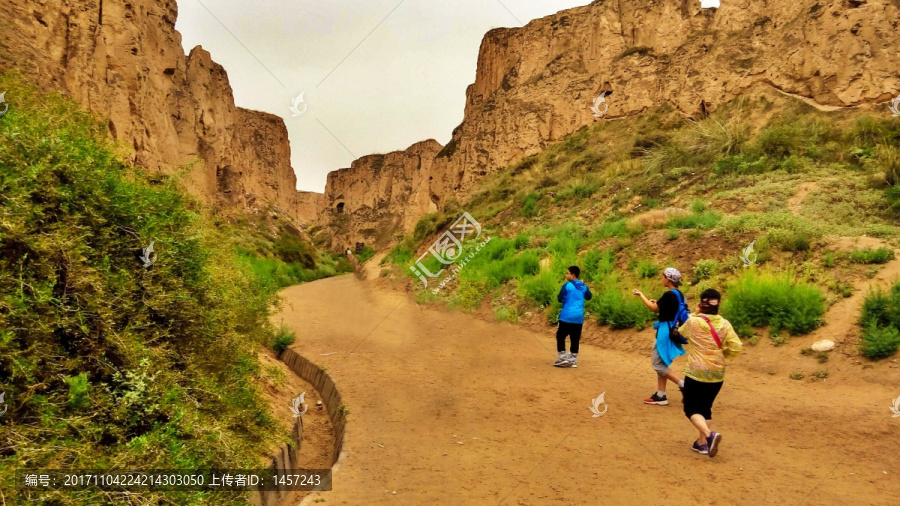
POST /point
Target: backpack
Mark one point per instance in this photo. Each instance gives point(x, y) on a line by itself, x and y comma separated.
point(681, 316)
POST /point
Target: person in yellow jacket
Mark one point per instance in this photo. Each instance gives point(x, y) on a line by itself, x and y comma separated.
point(711, 339)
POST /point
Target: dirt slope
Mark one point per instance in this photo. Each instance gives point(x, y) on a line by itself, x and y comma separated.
point(419, 381)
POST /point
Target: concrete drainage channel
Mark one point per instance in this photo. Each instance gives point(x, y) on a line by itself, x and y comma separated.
point(288, 456)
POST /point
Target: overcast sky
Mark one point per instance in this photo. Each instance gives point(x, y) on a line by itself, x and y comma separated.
point(376, 75)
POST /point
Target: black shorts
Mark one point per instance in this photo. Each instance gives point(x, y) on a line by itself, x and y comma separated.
point(699, 397)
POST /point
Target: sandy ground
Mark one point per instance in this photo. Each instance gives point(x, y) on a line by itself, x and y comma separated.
point(448, 408)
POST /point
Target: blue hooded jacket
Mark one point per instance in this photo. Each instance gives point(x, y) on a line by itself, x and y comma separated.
point(572, 295)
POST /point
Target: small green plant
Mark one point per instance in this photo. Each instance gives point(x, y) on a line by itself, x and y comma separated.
point(79, 389)
point(507, 314)
point(797, 376)
point(284, 337)
point(695, 235)
point(828, 259)
point(871, 256)
point(471, 293)
point(646, 269)
point(822, 374)
point(779, 340)
point(672, 234)
point(529, 205)
point(705, 269)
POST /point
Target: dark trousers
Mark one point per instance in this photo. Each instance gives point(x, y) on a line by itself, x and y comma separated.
point(699, 397)
point(568, 329)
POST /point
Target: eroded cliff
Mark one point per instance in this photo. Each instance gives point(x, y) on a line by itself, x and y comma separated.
point(536, 84)
point(123, 60)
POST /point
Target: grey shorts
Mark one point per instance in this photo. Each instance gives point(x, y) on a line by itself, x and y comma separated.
point(658, 365)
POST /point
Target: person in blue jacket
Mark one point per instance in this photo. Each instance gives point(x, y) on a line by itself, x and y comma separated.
point(572, 296)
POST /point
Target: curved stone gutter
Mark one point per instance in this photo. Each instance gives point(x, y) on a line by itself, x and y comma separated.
point(288, 456)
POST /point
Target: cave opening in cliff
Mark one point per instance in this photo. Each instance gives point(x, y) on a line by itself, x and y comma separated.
point(340, 208)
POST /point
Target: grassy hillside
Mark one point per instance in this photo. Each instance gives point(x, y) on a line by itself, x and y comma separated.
point(106, 363)
point(624, 199)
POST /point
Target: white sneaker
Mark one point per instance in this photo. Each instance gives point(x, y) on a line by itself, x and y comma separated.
point(562, 361)
point(573, 361)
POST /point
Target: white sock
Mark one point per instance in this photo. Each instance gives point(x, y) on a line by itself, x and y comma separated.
point(660, 393)
point(681, 383)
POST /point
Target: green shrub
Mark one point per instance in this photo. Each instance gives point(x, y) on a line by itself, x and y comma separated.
point(610, 307)
point(880, 320)
point(755, 300)
point(646, 269)
point(291, 249)
point(400, 254)
point(471, 293)
point(880, 343)
point(703, 220)
point(523, 241)
point(79, 388)
point(366, 253)
point(543, 289)
point(706, 269)
point(529, 205)
point(283, 338)
point(790, 240)
point(872, 256)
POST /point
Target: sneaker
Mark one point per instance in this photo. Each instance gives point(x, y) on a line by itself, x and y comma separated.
point(714, 440)
point(701, 449)
point(562, 362)
point(573, 361)
point(657, 400)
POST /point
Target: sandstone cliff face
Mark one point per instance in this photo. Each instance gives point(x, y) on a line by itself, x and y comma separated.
point(124, 60)
point(534, 85)
point(380, 195)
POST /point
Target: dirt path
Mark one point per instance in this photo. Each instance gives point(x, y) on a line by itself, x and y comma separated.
point(448, 409)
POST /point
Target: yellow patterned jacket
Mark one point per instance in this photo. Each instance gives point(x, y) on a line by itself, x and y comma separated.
point(705, 361)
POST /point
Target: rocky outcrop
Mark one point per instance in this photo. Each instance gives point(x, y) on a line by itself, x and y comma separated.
point(309, 206)
point(380, 195)
point(535, 85)
point(123, 60)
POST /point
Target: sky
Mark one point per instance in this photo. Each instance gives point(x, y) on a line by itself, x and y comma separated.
point(375, 75)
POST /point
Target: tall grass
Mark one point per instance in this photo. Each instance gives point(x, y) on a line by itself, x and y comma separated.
point(758, 299)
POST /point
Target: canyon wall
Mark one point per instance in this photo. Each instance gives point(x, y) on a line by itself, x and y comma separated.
point(380, 195)
point(124, 61)
point(534, 85)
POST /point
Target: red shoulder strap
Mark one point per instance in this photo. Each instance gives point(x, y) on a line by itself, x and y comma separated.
point(711, 329)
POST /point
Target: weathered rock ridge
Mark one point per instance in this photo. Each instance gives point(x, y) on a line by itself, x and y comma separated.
point(380, 195)
point(123, 60)
point(536, 84)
